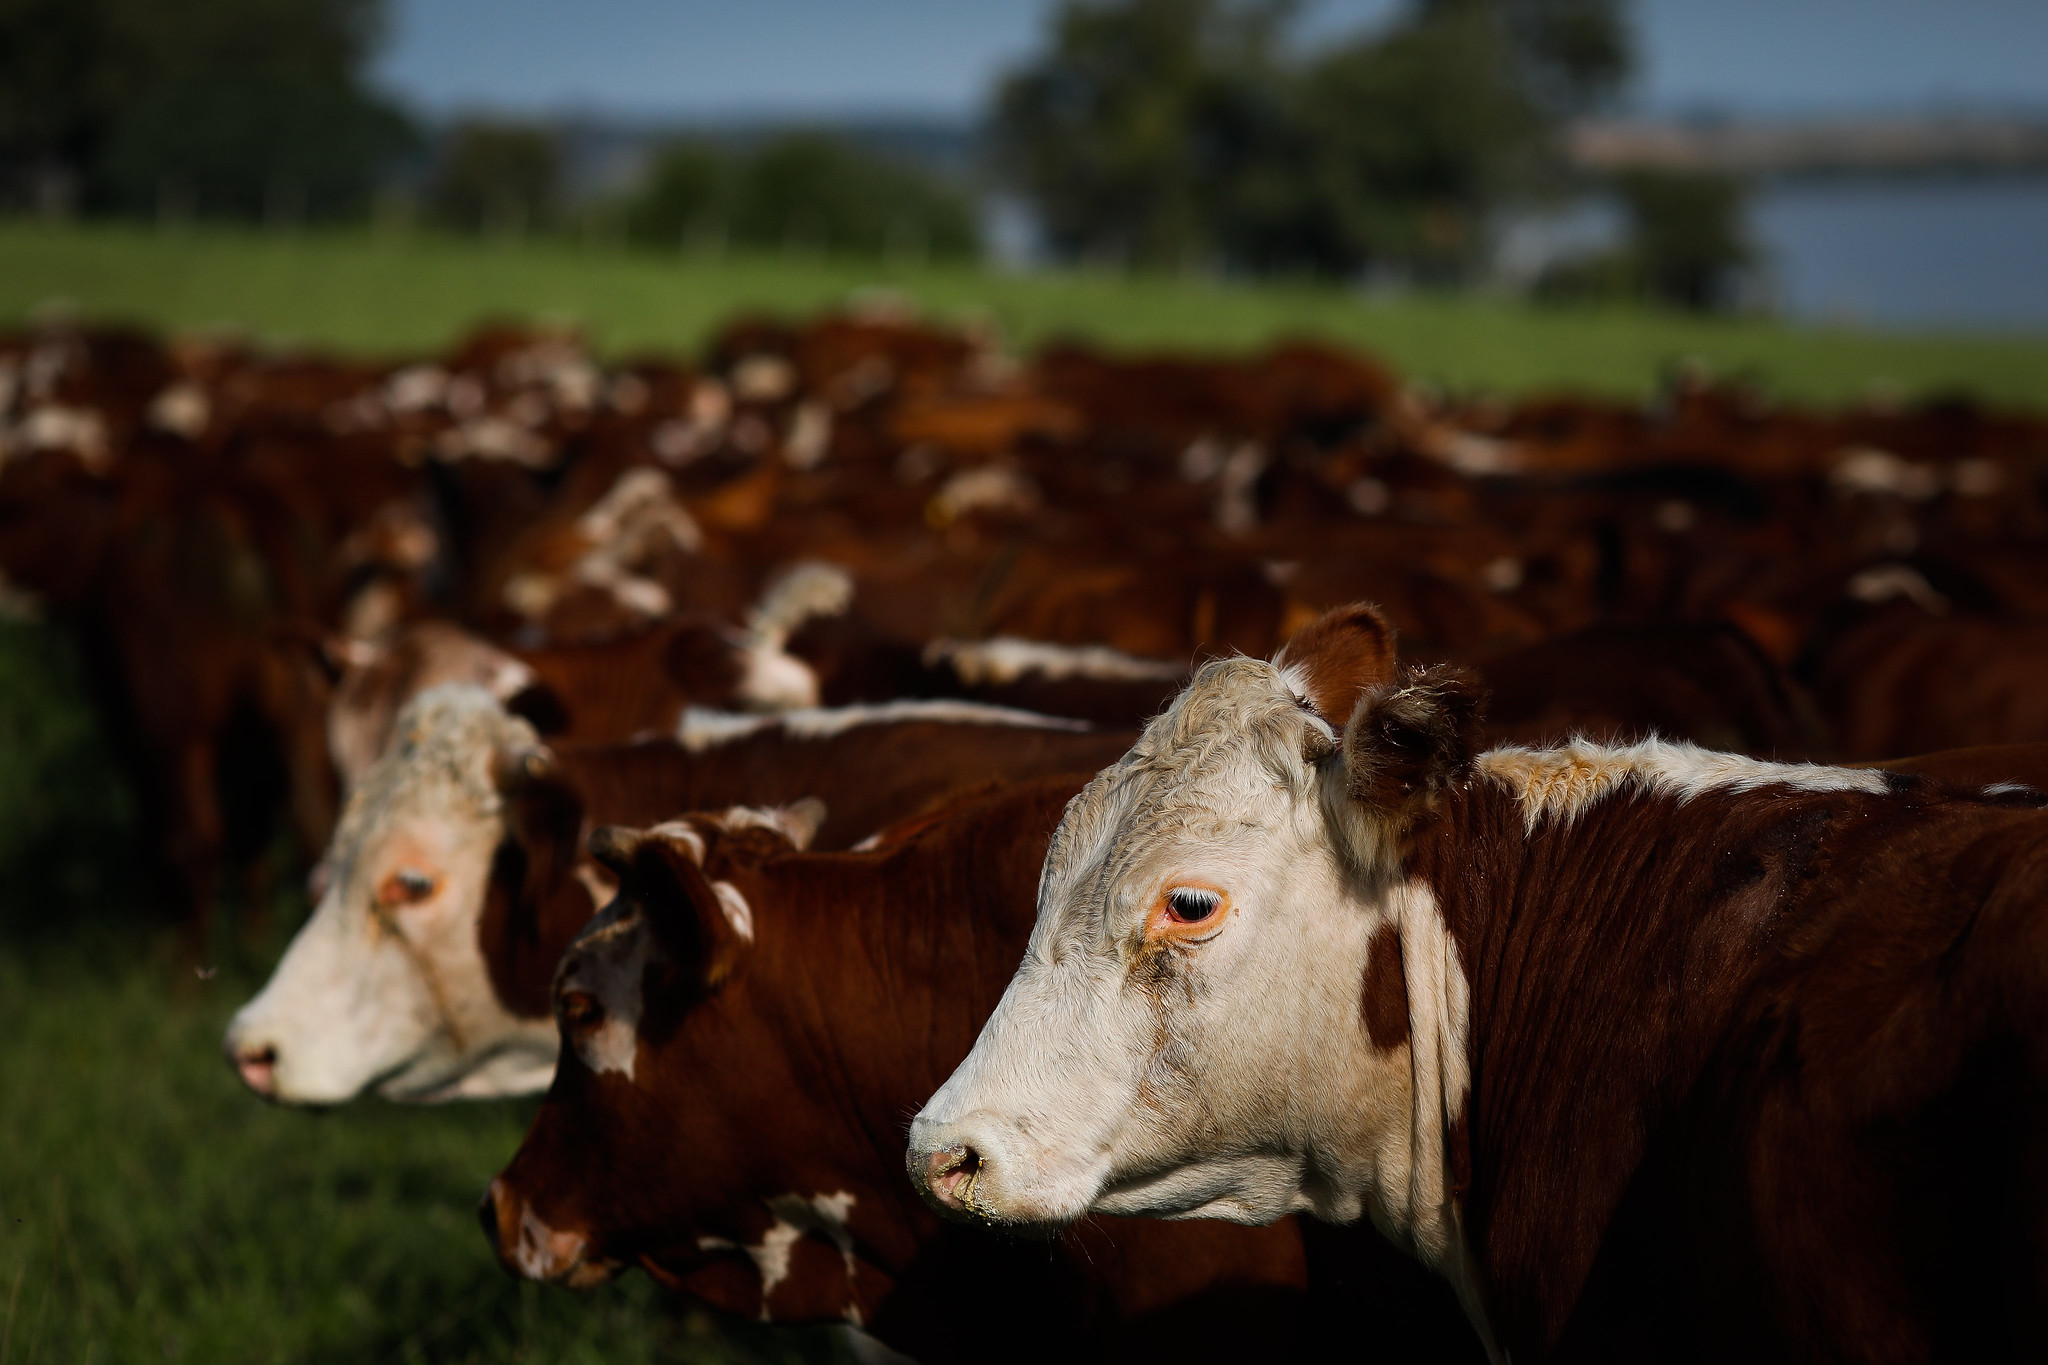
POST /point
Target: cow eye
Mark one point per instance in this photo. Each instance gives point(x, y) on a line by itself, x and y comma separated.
point(407, 886)
point(1189, 905)
point(578, 1009)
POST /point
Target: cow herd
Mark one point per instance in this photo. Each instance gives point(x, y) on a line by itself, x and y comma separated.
point(961, 857)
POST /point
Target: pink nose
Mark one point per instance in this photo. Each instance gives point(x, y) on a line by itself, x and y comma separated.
point(949, 1176)
point(257, 1067)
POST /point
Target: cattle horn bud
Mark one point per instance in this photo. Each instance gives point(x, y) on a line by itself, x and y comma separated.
point(614, 846)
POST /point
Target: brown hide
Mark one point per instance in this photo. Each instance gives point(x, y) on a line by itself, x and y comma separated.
point(1759, 1076)
point(866, 776)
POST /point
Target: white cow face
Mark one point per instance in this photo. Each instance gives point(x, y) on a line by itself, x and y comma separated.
point(1184, 1037)
point(386, 987)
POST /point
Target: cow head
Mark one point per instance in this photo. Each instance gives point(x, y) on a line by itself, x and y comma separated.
point(444, 847)
point(669, 1045)
point(1185, 1037)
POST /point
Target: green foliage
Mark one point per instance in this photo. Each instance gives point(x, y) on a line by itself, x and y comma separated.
point(501, 178)
point(1171, 132)
point(1687, 244)
point(803, 191)
point(238, 108)
point(685, 199)
point(399, 293)
point(1141, 112)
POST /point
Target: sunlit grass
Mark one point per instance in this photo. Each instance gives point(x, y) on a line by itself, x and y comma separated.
point(409, 292)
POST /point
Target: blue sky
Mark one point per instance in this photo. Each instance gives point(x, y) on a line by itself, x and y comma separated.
point(669, 58)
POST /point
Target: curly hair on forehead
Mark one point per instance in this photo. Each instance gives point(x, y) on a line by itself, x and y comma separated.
point(1234, 732)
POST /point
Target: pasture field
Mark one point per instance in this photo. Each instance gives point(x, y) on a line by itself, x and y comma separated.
point(410, 292)
point(152, 1210)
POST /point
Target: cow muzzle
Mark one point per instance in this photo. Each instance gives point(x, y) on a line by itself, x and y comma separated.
point(978, 1170)
point(527, 1246)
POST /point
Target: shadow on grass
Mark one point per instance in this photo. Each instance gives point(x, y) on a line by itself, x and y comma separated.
point(152, 1210)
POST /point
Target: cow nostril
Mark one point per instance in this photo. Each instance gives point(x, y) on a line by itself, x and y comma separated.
point(257, 1067)
point(951, 1173)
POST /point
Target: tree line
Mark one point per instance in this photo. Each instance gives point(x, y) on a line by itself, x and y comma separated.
point(1147, 134)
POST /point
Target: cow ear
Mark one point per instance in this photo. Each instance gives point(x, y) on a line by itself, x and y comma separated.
point(1411, 739)
point(800, 821)
point(705, 923)
point(1335, 658)
point(614, 845)
point(540, 706)
point(543, 814)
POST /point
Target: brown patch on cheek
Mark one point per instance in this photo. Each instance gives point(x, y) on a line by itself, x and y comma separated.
point(1163, 978)
point(1384, 1000)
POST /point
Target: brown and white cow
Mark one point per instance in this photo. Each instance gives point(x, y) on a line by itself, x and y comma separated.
point(456, 876)
point(1652, 1052)
point(746, 1027)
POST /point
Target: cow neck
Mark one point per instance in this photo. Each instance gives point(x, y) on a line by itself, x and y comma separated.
point(1604, 958)
point(881, 969)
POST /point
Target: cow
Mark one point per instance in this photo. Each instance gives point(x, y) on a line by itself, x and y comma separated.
point(744, 1028)
point(1651, 1052)
point(454, 878)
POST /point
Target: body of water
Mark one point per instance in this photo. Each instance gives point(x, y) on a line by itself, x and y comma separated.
point(1911, 253)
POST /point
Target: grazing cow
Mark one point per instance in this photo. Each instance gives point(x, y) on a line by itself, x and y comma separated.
point(745, 1027)
point(1652, 1052)
point(455, 876)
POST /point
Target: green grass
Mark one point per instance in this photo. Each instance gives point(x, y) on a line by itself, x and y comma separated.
point(152, 1210)
point(401, 292)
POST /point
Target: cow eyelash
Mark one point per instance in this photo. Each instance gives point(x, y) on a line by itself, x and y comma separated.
point(1191, 905)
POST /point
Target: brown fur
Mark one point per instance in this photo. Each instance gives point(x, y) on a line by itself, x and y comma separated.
point(1757, 1076)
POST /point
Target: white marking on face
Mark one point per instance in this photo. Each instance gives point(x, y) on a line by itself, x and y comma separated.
point(391, 991)
point(1562, 782)
point(1006, 659)
point(608, 963)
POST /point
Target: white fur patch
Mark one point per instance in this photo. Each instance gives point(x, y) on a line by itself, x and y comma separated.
point(827, 1215)
point(1564, 781)
point(738, 913)
point(771, 680)
point(1006, 658)
point(798, 822)
point(701, 728)
point(803, 590)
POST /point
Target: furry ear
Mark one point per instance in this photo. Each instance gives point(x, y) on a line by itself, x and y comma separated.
point(1337, 656)
point(801, 820)
point(1412, 738)
point(543, 816)
point(706, 924)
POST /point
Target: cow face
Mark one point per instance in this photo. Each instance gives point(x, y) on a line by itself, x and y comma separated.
point(666, 1048)
point(1185, 1029)
point(386, 986)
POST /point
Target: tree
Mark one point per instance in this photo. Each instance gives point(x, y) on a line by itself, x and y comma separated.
point(496, 177)
point(1140, 110)
point(803, 190)
point(1169, 131)
point(686, 196)
point(246, 108)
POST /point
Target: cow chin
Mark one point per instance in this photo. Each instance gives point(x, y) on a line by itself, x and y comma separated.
point(1253, 1190)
